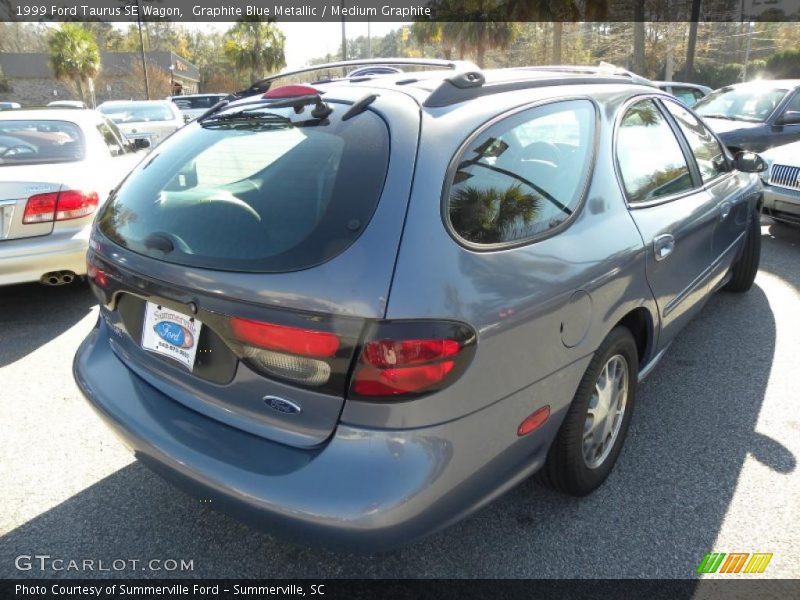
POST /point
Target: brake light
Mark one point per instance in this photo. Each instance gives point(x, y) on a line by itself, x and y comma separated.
point(291, 91)
point(292, 353)
point(73, 204)
point(402, 362)
point(281, 338)
point(59, 206)
point(40, 208)
point(97, 275)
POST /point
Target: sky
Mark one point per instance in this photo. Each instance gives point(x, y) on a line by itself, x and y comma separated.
point(305, 41)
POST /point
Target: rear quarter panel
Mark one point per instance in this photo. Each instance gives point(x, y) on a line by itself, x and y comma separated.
point(518, 300)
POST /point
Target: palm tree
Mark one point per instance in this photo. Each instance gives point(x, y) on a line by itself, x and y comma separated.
point(256, 45)
point(491, 215)
point(74, 56)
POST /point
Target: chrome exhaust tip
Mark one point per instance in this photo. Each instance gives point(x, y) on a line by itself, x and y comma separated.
point(55, 278)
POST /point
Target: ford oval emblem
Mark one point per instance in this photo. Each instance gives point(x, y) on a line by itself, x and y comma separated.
point(282, 405)
point(174, 334)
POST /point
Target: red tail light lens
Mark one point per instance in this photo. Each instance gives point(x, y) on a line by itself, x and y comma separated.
point(409, 359)
point(59, 206)
point(96, 275)
point(281, 338)
point(40, 208)
point(74, 205)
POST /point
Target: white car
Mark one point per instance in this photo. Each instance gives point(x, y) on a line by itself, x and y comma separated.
point(66, 104)
point(56, 167)
point(151, 120)
point(194, 105)
point(782, 183)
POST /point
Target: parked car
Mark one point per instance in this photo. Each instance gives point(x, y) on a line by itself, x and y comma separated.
point(151, 120)
point(194, 105)
point(9, 105)
point(782, 183)
point(688, 93)
point(355, 317)
point(66, 104)
point(754, 116)
point(56, 167)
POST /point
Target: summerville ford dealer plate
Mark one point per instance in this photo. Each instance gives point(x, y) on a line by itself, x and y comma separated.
point(171, 333)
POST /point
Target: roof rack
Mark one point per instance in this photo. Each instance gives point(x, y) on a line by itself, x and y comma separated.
point(470, 85)
point(263, 85)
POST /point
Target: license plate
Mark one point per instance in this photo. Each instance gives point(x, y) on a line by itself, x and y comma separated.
point(171, 333)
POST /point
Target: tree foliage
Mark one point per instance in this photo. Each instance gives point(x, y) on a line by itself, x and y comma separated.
point(75, 57)
point(256, 46)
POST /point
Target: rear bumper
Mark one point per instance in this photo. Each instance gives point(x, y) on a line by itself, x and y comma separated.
point(363, 490)
point(27, 259)
point(782, 203)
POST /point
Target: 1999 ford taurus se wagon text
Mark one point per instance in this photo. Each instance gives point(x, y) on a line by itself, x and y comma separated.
point(354, 313)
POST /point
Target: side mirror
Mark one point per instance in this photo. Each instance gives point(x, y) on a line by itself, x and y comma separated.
point(141, 143)
point(749, 162)
point(790, 117)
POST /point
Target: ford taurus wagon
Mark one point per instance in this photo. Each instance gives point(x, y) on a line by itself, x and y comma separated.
point(354, 313)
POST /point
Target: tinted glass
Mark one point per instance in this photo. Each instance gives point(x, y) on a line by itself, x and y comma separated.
point(137, 112)
point(707, 151)
point(195, 102)
point(524, 175)
point(686, 95)
point(650, 159)
point(30, 142)
point(749, 103)
point(259, 196)
point(113, 143)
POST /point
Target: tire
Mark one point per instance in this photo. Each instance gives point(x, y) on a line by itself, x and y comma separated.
point(567, 468)
point(743, 271)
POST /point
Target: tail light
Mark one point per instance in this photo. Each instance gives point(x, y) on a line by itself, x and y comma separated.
point(59, 206)
point(300, 355)
point(408, 359)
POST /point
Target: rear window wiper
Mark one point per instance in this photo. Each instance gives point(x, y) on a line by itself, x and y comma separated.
point(246, 116)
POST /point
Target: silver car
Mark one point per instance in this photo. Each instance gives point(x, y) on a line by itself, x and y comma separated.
point(194, 105)
point(56, 167)
point(782, 183)
point(151, 120)
point(354, 313)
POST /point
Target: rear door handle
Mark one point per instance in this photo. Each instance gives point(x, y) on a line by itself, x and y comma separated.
point(663, 246)
point(724, 210)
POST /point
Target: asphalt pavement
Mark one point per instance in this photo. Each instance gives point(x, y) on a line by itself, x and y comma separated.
point(710, 464)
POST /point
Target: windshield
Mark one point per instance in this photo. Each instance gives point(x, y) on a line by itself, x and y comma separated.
point(136, 112)
point(253, 192)
point(752, 104)
point(30, 142)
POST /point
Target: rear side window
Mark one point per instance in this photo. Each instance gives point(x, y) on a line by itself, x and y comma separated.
point(651, 162)
point(707, 151)
point(33, 142)
point(114, 144)
point(265, 195)
point(522, 176)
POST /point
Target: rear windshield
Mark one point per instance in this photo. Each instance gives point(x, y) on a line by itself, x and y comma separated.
point(263, 196)
point(137, 112)
point(195, 102)
point(31, 142)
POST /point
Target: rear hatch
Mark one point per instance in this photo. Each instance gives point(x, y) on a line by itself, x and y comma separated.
point(241, 262)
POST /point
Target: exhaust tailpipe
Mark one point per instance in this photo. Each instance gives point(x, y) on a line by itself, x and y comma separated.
point(54, 278)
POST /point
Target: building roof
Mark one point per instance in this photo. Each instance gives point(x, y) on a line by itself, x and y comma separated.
point(35, 65)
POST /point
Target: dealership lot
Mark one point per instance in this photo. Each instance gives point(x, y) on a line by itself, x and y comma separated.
point(711, 464)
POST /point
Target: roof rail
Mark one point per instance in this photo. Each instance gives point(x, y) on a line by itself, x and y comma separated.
point(601, 69)
point(468, 86)
point(263, 85)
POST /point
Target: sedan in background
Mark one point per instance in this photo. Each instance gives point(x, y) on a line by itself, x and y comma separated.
point(782, 183)
point(756, 115)
point(151, 120)
point(56, 167)
point(66, 104)
point(194, 105)
point(9, 105)
point(688, 93)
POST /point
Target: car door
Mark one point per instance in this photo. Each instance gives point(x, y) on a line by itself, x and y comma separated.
point(786, 124)
point(730, 191)
point(675, 216)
